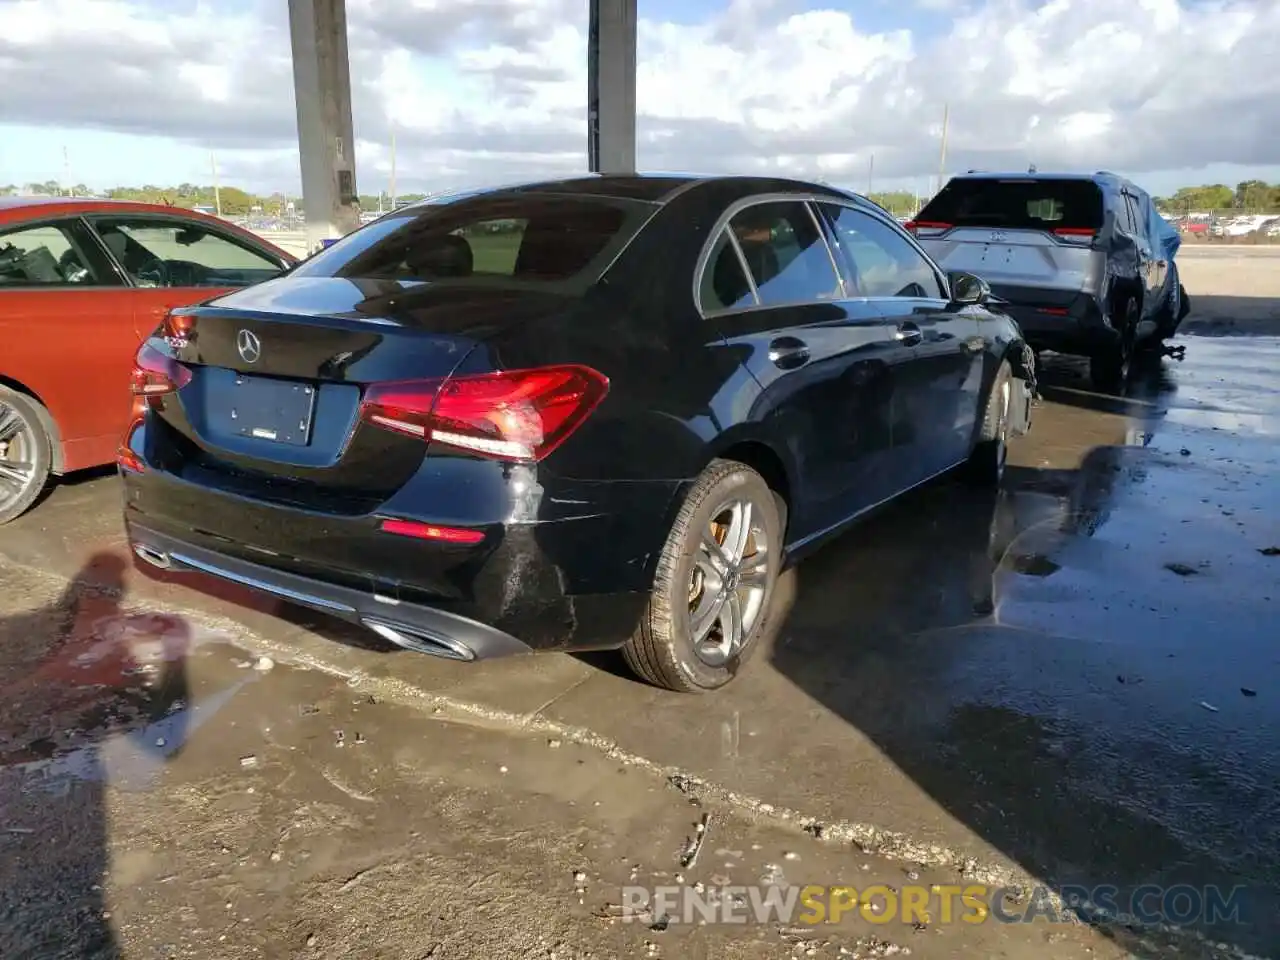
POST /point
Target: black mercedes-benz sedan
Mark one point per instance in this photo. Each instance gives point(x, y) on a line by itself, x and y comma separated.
point(601, 412)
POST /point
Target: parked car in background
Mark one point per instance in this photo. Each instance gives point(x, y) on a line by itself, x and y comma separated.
point(594, 412)
point(82, 283)
point(1084, 262)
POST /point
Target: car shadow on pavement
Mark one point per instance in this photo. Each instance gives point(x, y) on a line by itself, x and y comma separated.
point(931, 632)
point(91, 699)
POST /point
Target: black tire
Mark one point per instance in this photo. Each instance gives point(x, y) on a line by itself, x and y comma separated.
point(1167, 321)
point(991, 452)
point(663, 650)
point(1109, 369)
point(23, 440)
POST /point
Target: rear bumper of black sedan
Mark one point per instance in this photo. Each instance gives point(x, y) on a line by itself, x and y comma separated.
point(566, 584)
point(409, 625)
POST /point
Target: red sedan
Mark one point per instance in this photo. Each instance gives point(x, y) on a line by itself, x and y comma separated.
point(82, 283)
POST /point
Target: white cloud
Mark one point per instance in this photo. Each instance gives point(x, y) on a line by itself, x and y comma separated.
point(488, 89)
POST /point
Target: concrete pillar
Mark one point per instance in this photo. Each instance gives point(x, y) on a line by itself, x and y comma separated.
point(611, 86)
point(322, 89)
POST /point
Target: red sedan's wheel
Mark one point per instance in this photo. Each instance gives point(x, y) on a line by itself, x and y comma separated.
point(24, 454)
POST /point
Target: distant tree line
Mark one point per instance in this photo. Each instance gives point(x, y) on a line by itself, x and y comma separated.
point(1250, 196)
point(233, 201)
point(1253, 196)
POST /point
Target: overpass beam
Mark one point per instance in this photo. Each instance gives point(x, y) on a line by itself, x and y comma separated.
point(611, 86)
point(322, 91)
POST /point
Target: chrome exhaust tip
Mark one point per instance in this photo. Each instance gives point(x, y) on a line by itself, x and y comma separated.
point(433, 645)
point(152, 556)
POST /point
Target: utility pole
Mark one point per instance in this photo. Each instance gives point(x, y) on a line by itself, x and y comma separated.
point(871, 169)
point(393, 170)
point(217, 194)
point(66, 172)
point(942, 161)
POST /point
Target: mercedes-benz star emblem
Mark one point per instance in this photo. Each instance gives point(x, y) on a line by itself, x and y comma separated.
point(249, 345)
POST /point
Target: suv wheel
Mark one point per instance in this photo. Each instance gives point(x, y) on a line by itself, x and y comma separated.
point(24, 453)
point(713, 591)
point(1109, 369)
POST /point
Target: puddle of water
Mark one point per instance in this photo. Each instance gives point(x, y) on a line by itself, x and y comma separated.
point(130, 760)
point(116, 706)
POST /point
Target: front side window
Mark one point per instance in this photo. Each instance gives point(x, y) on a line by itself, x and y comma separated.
point(167, 253)
point(528, 238)
point(880, 261)
point(51, 255)
point(787, 256)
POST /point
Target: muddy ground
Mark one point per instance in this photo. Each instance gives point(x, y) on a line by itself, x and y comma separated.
point(1071, 682)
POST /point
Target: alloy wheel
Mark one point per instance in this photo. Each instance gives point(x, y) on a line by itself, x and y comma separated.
point(728, 581)
point(17, 455)
point(1002, 430)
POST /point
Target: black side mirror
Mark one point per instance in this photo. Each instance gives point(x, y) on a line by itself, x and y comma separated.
point(967, 290)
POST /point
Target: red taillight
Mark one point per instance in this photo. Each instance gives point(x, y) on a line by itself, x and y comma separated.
point(917, 225)
point(126, 459)
point(432, 531)
point(1075, 233)
point(513, 415)
point(155, 374)
point(177, 329)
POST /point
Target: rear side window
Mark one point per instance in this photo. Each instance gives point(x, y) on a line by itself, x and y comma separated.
point(788, 258)
point(526, 238)
point(1014, 204)
point(724, 285)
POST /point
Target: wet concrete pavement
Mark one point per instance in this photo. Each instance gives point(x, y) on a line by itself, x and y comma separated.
point(165, 794)
point(1070, 681)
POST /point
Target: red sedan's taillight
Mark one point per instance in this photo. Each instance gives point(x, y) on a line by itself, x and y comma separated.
point(126, 459)
point(513, 415)
point(155, 374)
point(178, 329)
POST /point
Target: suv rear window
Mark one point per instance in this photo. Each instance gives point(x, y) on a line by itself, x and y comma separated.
point(522, 238)
point(1034, 203)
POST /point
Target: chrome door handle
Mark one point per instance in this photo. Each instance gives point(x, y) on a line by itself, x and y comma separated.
point(788, 353)
point(909, 335)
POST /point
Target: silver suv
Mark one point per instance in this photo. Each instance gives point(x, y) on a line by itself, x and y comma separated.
point(1083, 261)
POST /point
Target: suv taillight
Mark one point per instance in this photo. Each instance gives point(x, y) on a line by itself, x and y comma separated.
point(512, 415)
point(1081, 235)
point(915, 226)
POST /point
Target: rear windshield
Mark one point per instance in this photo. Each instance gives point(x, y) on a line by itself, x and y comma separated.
point(523, 238)
point(1037, 204)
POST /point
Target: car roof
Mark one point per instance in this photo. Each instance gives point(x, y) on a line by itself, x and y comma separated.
point(655, 188)
point(1099, 177)
point(15, 211)
point(10, 203)
point(20, 209)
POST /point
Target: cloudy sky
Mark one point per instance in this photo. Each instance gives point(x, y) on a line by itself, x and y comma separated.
point(1170, 92)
